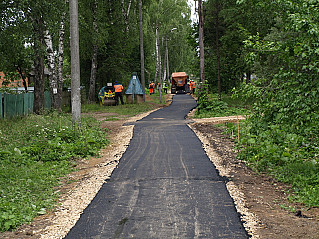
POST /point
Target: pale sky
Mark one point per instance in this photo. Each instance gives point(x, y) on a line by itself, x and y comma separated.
point(194, 16)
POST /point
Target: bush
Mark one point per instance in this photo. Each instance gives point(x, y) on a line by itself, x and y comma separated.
point(210, 106)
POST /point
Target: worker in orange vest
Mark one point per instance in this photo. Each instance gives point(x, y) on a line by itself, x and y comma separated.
point(118, 93)
point(190, 86)
point(193, 86)
point(151, 86)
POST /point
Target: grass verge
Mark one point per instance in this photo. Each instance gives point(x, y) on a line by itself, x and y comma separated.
point(36, 151)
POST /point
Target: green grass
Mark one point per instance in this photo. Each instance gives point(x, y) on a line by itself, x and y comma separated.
point(126, 109)
point(35, 152)
point(27, 190)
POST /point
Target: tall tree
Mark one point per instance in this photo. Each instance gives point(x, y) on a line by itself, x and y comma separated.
point(201, 41)
point(142, 46)
point(75, 65)
point(92, 93)
point(60, 62)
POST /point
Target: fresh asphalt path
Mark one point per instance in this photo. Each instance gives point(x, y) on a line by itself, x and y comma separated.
point(164, 187)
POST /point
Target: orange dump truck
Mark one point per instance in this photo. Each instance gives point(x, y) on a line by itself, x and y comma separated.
point(179, 83)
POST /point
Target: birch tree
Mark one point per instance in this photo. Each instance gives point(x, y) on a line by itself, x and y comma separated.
point(142, 46)
point(201, 41)
point(92, 95)
point(60, 62)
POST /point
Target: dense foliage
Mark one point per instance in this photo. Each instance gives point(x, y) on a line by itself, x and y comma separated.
point(282, 132)
point(108, 27)
point(268, 51)
point(209, 105)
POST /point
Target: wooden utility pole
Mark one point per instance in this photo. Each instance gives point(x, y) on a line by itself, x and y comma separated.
point(201, 41)
point(75, 65)
point(142, 47)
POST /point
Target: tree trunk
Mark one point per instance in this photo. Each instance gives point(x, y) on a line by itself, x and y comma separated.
point(159, 63)
point(126, 13)
point(38, 104)
point(167, 63)
point(142, 47)
point(52, 69)
point(60, 63)
point(218, 51)
point(201, 41)
point(165, 60)
point(75, 65)
point(157, 52)
point(23, 76)
point(92, 95)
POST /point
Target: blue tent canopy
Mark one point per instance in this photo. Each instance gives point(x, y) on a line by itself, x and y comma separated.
point(135, 87)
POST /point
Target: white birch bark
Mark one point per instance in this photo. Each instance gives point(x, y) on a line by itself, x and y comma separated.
point(142, 47)
point(60, 62)
point(126, 13)
point(159, 63)
point(51, 67)
point(157, 53)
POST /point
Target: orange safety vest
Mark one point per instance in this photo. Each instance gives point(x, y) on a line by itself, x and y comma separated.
point(118, 88)
point(193, 85)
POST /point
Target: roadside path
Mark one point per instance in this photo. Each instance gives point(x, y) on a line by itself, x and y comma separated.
point(164, 187)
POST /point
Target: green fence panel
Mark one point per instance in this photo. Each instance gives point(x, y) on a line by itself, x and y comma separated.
point(28, 103)
point(1, 108)
point(13, 105)
point(47, 100)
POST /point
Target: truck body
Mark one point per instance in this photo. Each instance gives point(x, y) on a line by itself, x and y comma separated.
point(179, 83)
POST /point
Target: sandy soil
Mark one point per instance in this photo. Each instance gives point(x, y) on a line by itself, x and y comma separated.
point(258, 198)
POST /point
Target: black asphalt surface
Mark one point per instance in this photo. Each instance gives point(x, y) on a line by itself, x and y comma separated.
point(164, 187)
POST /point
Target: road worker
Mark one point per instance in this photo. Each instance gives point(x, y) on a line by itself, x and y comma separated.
point(118, 93)
point(193, 86)
point(165, 87)
point(151, 86)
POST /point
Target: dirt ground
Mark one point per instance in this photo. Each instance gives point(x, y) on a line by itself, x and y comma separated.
point(261, 197)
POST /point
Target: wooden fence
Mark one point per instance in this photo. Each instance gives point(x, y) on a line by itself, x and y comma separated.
point(13, 105)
